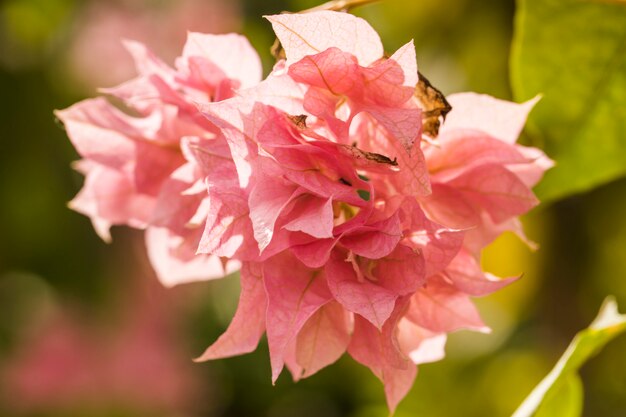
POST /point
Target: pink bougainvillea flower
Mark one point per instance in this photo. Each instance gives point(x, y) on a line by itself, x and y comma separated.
point(137, 170)
point(352, 234)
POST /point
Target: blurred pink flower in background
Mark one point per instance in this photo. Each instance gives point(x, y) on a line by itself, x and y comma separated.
point(96, 56)
point(64, 363)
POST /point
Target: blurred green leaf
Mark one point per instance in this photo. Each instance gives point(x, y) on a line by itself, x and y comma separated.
point(561, 387)
point(565, 400)
point(573, 52)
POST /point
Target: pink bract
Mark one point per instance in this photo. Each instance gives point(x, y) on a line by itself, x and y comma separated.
point(352, 233)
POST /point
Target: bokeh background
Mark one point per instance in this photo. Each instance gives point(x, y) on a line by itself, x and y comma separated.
point(86, 330)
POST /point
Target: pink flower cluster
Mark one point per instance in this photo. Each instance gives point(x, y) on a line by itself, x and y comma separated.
point(351, 232)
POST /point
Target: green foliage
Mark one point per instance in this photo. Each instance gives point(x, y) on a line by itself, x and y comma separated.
point(573, 53)
point(565, 400)
point(560, 392)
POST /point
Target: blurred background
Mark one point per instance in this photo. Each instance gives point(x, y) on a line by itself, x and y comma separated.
point(85, 328)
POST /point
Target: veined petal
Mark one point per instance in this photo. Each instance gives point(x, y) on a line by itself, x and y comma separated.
point(248, 324)
point(311, 33)
point(294, 294)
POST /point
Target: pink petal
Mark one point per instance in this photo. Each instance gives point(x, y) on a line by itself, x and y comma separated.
point(147, 63)
point(374, 302)
point(248, 324)
point(316, 253)
point(175, 207)
point(313, 216)
point(108, 197)
point(231, 53)
point(294, 294)
point(100, 132)
point(240, 120)
point(460, 150)
point(153, 165)
point(376, 240)
point(404, 125)
point(496, 190)
point(498, 118)
point(448, 206)
point(311, 33)
point(174, 267)
point(268, 198)
point(378, 350)
point(278, 90)
point(412, 178)
point(322, 103)
point(530, 173)
point(441, 308)
point(323, 338)
point(391, 82)
point(402, 271)
point(291, 362)
point(334, 70)
point(421, 345)
point(466, 274)
point(438, 244)
point(228, 229)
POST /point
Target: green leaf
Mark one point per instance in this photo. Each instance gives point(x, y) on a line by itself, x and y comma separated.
point(573, 52)
point(561, 387)
point(565, 400)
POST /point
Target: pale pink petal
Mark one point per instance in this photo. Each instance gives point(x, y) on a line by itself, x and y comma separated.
point(496, 190)
point(248, 324)
point(500, 119)
point(530, 173)
point(461, 149)
point(231, 53)
point(268, 197)
point(466, 274)
point(421, 345)
point(278, 90)
point(174, 207)
point(448, 206)
point(138, 93)
point(240, 121)
point(441, 308)
point(228, 227)
point(312, 33)
point(294, 294)
point(153, 165)
point(148, 63)
point(403, 124)
point(108, 197)
point(173, 267)
point(100, 132)
point(323, 338)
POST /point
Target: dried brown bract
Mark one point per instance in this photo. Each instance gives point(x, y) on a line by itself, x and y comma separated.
point(299, 121)
point(434, 105)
